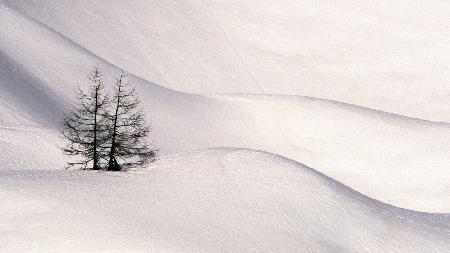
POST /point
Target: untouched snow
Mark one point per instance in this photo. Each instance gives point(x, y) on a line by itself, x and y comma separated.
point(224, 200)
point(30, 148)
point(374, 53)
point(387, 55)
point(394, 159)
point(168, 42)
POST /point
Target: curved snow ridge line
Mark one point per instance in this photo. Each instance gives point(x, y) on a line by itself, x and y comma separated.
point(216, 200)
point(224, 152)
point(230, 158)
point(393, 78)
point(58, 37)
point(383, 155)
point(175, 54)
point(350, 107)
point(52, 78)
point(101, 60)
point(439, 222)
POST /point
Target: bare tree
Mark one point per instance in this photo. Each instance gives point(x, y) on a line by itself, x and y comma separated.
point(86, 127)
point(128, 129)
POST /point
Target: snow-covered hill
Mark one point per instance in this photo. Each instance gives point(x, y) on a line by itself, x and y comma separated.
point(224, 200)
point(394, 159)
point(386, 55)
point(232, 199)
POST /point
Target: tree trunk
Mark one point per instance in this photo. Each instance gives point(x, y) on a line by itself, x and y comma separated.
point(113, 165)
point(95, 166)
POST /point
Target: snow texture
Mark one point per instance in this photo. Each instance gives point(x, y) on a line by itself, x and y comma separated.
point(387, 138)
point(223, 200)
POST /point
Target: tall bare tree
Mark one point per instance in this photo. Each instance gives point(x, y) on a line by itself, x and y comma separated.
point(86, 127)
point(128, 129)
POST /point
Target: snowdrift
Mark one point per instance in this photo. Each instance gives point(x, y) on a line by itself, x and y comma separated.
point(232, 200)
point(167, 42)
point(395, 159)
point(387, 55)
point(223, 200)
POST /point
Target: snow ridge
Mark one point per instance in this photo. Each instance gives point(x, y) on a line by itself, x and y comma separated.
point(231, 200)
point(222, 199)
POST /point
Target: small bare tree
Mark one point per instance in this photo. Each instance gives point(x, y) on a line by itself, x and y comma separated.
point(86, 127)
point(128, 129)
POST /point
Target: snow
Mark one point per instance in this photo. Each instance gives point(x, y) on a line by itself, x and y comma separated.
point(386, 55)
point(30, 148)
point(222, 200)
point(235, 199)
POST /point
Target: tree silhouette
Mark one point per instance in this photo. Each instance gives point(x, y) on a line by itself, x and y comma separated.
point(86, 127)
point(128, 129)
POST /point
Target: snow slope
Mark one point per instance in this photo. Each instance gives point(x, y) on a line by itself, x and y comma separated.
point(224, 200)
point(386, 55)
point(167, 42)
point(399, 160)
point(227, 199)
point(394, 159)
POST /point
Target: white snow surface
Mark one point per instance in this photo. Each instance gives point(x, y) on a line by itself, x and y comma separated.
point(395, 159)
point(223, 200)
point(235, 199)
point(386, 55)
